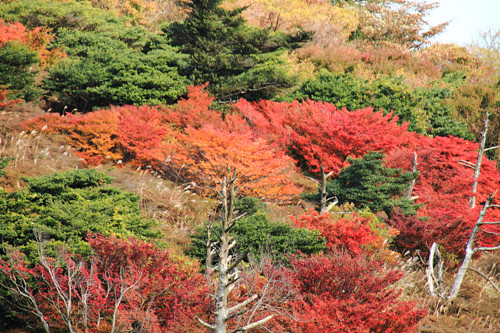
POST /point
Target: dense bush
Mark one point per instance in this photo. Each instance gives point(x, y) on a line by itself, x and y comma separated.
point(350, 293)
point(66, 207)
point(78, 15)
point(125, 284)
point(353, 234)
point(368, 183)
point(15, 74)
point(102, 70)
point(259, 236)
point(237, 59)
point(424, 108)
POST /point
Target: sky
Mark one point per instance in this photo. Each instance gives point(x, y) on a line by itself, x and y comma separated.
point(468, 19)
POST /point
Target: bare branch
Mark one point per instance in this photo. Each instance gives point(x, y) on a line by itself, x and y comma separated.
point(491, 148)
point(256, 324)
point(433, 281)
point(205, 323)
point(467, 164)
point(493, 248)
point(469, 250)
point(242, 304)
point(486, 277)
point(314, 180)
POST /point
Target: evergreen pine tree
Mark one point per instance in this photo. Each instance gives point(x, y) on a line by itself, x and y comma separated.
point(236, 59)
point(368, 183)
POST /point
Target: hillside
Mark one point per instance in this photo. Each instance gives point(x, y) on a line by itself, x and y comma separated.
point(258, 165)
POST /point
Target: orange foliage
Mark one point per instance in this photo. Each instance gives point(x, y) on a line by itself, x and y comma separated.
point(195, 110)
point(6, 102)
point(93, 134)
point(207, 155)
point(143, 132)
point(36, 40)
point(190, 141)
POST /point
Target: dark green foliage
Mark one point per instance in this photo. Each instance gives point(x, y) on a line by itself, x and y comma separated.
point(352, 93)
point(368, 183)
point(16, 75)
point(248, 205)
point(58, 183)
point(102, 70)
point(258, 235)
point(441, 121)
point(66, 207)
point(425, 109)
point(238, 60)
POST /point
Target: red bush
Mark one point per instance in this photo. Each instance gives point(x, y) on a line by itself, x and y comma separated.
point(350, 293)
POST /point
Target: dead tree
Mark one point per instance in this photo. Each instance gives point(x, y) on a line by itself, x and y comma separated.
point(228, 273)
point(480, 154)
point(323, 201)
point(435, 282)
point(477, 166)
point(414, 169)
point(14, 279)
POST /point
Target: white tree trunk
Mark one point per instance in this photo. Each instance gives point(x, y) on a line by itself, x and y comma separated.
point(477, 167)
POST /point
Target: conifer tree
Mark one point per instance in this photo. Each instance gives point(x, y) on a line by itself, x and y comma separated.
point(367, 182)
point(238, 60)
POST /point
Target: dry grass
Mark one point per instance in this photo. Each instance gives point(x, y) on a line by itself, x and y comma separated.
point(476, 309)
point(177, 209)
point(32, 154)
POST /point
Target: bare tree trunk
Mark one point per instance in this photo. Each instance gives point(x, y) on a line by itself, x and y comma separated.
point(228, 273)
point(414, 165)
point(434, 282)
point(470, 250)
point(221, 312)
point(480, 153)
point(323, 193)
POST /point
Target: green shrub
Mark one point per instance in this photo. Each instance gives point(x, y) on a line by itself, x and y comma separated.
point(4, 161)
point(258, 235)
point(424, 108)
point(16, 61)
point(239, 61)
point(440, 117)
point(369, 184)
point(101, 70)
point(352, 93)
point(78, 15)
point(66, 207)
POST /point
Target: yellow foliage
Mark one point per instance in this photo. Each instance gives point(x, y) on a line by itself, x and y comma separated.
point(330, 24)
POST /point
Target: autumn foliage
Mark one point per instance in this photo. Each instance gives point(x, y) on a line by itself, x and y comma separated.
point(36, 40)
point(196, 144)
point(319, 133)
point(444, 187)
point(352, 234)
point(350, 293)
point(126, 284)
point(189, 142)
point(208, 155)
